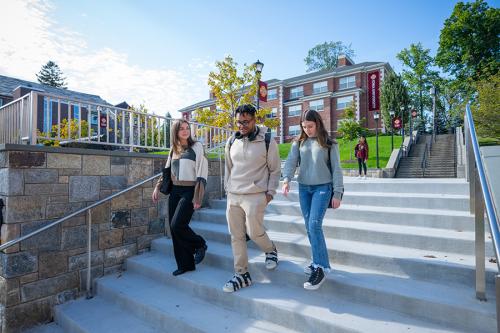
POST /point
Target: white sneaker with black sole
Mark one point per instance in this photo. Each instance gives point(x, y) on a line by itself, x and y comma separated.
point(272, 259)
point(316, 279)
point(237, 282)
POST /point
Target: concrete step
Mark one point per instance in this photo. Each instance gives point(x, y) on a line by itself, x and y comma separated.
point(454, 307)
point(97, 315)
point(170, 309)
point(426, 265)
point(437, 186)
point(429, 218)
point(441, 240)
point(413, 200)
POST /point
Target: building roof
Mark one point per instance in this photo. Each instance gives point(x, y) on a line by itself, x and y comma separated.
point(9, 84)
point(297, 79)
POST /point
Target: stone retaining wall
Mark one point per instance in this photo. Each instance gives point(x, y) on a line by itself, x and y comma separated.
point(39, 185)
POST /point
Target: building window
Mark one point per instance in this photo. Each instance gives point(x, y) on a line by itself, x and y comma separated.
point(47, 115)
point(272, 94)
point(320, 87)
point(273, 114)
point(274, 132)
point(347, 82)
point(343, 102)
point(296, 92)
point(294, 110)
point(294, 130)
point(317, 105)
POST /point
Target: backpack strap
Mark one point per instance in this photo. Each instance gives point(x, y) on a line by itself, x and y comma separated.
point(267, 140)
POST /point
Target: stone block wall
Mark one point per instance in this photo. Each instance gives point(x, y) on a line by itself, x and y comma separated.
point(39, 185)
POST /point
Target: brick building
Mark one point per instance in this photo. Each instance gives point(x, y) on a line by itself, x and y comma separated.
point(326, 91)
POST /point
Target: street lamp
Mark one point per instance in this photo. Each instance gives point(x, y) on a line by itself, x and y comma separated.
point(258, 71)
point(433, 94)
point(402, 113)
point(376, 116)
point(391, 113)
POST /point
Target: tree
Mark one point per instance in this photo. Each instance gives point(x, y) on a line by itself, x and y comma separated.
point(487, 111)
point(418, 74)
point(156, 130)
point(469, 43)
point(325, 56)
point(393, 96)
point(230, 91)
point(51, 75)
point(450, 104)
point(349, 128)
point(66, 130)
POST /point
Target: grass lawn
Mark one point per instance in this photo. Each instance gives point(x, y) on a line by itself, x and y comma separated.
point(384, 143)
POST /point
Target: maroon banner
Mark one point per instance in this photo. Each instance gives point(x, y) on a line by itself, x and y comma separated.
point(262, 91)
point(373, 91)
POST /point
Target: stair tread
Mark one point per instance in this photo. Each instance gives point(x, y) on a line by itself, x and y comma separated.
point(379, 209)
point(355, 316)
point(106, 317)
point(399, 195)
point(143, 291)
point(359, 225)
point(363, 248)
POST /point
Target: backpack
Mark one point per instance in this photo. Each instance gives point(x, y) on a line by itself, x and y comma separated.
point(267, 140)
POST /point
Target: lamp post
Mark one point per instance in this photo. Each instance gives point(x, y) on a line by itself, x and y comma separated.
point(433, 94)
point(402, 113)
point(258, 71)
point(376, 116)
point(391, 113)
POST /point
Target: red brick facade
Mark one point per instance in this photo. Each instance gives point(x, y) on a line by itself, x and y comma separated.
point(356, 87)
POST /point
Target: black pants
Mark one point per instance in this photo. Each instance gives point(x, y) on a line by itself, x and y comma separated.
point(361, 164)
point(186, 241)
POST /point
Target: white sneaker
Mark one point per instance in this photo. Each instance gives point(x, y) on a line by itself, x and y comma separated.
point(359, 177)
point(364, 177)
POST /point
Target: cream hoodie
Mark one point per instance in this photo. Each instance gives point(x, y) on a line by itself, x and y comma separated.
point(250, 168)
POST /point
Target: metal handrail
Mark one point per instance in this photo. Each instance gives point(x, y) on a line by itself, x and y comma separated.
point(488, 203)
point(480, 198)
point(80, 211)
point(423, 164)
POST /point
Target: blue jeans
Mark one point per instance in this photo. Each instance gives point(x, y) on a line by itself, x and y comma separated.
point(313, 203)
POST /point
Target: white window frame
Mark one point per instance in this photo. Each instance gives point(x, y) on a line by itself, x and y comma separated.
point(347, 82)
point(313, 105)
point(272, 94)
point(293, 130)
point(274, 132)
point(296, 108)
point(273, 114)
point(296, 92)
point(319, 87)
point(344, 102)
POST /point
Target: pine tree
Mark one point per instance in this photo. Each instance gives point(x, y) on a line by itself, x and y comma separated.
point(51, 75)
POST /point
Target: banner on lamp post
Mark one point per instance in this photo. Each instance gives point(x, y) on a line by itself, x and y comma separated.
point(373, 91)
point(262, 91)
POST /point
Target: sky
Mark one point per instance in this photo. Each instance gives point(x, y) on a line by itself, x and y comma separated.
point(159, 53)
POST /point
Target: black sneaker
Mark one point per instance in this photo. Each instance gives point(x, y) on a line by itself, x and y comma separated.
point(316, 279)
point(237, 282)
point(199, 254)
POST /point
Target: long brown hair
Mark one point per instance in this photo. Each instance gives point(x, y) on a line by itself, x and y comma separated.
point(321, 134)
point(174, 136)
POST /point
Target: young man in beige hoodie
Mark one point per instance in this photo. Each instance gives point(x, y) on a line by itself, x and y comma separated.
point(251, 179)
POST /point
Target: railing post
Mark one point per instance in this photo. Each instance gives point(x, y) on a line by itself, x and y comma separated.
point(471, 171)
point(33, 117)
point(89, 255)
point(479, 240)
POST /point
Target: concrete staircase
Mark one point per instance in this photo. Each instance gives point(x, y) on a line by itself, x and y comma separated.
point(440, 164)
point(395, 269)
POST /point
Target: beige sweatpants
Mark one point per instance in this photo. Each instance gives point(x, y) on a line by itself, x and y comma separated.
point(245, 215)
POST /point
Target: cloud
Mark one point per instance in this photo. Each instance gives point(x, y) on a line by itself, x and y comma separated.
point(104, 72)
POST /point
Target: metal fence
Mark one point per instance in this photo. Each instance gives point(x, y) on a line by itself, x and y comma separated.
point(39, 118)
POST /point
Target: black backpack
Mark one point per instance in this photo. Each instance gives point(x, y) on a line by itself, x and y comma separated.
point(267, 140)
